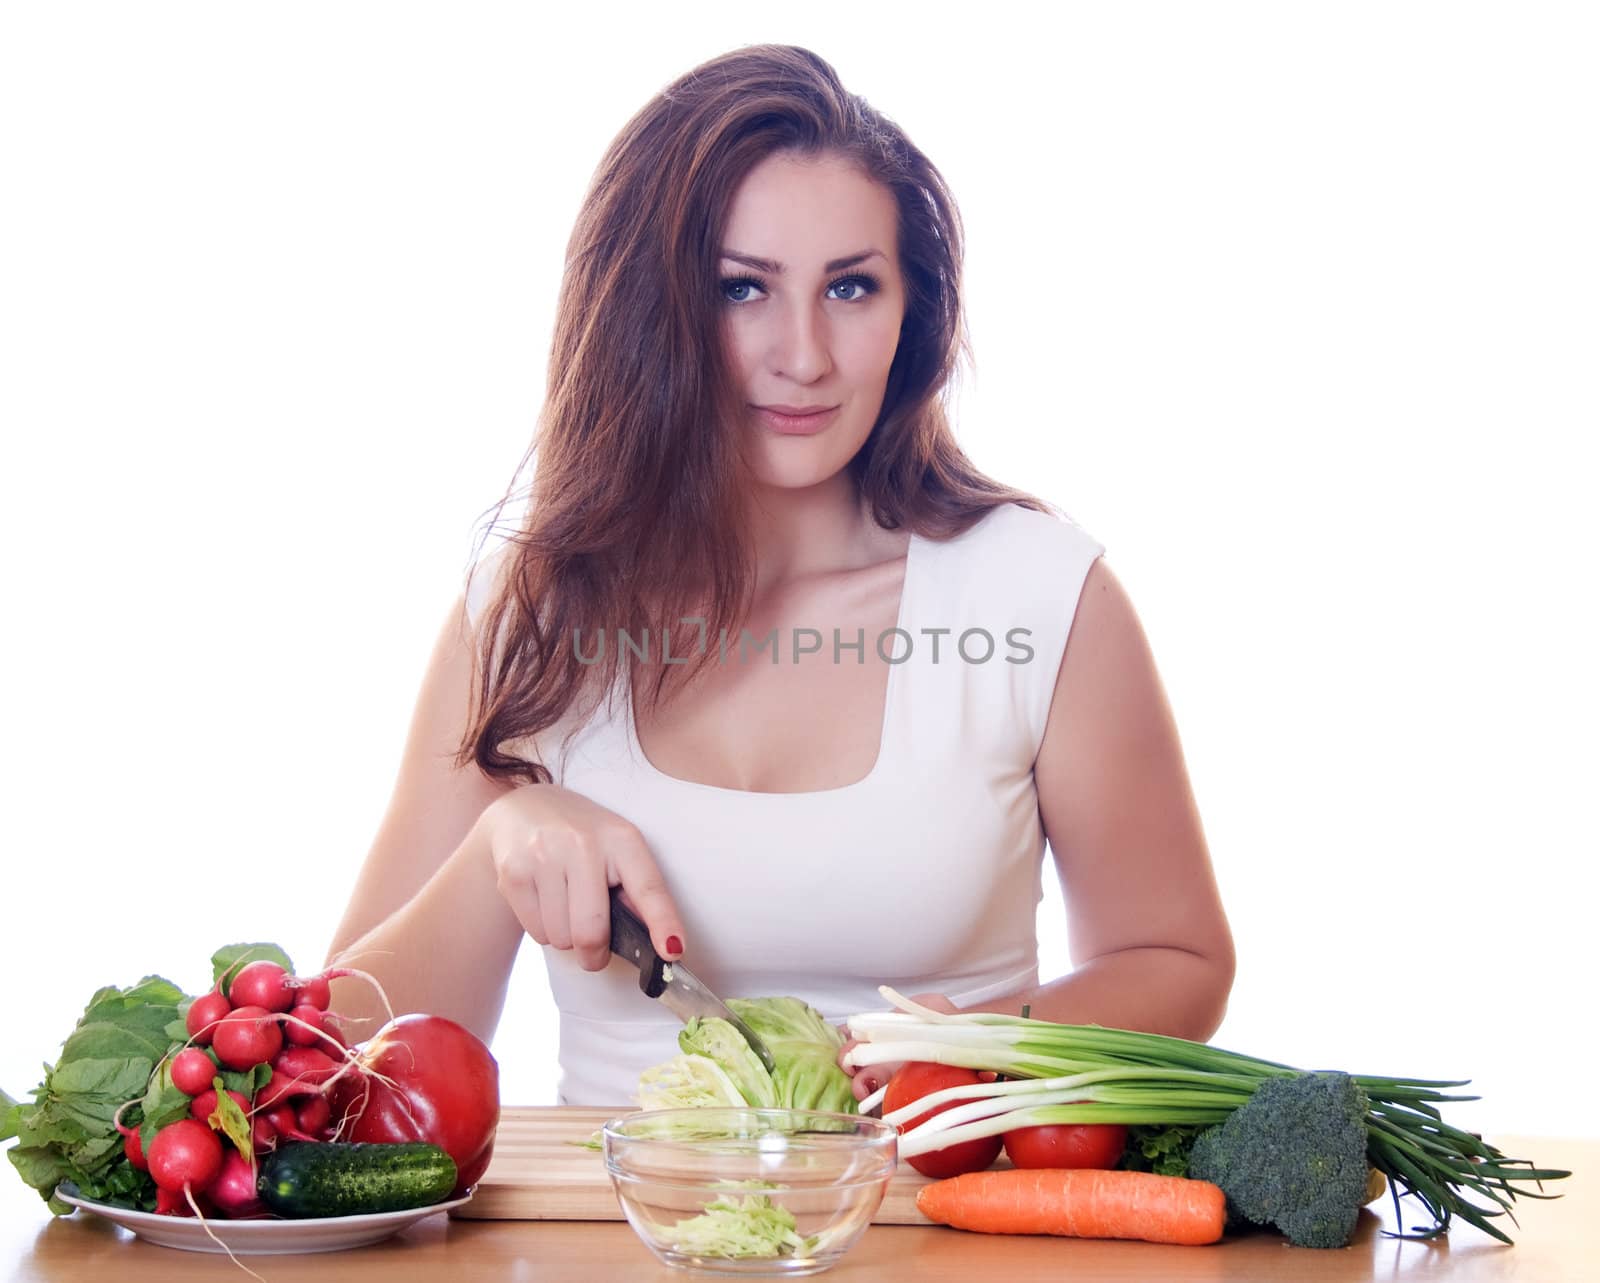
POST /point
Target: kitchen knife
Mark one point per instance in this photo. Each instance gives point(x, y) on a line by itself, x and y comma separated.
point(677, 988)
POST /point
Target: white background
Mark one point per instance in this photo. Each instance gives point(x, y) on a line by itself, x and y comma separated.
point(1292, 306)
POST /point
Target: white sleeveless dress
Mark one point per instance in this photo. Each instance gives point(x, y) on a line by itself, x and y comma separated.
point(924, 875)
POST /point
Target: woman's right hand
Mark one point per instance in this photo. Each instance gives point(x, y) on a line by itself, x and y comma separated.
point(556, 855)
point(865, 1081)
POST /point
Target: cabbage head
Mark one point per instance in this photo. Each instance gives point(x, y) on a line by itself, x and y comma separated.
point(805, 1050)
point(805, 1053)
point(716, 1040)
point(686, 1082)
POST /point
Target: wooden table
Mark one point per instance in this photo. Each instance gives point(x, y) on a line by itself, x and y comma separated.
point(1557, 1241)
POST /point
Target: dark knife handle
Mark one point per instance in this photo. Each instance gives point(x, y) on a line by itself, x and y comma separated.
point(630, 939)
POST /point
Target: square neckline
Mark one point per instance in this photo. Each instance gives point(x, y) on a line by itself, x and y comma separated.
point(890, 707)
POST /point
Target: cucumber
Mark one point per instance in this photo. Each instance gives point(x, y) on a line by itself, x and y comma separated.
point(354, 1178)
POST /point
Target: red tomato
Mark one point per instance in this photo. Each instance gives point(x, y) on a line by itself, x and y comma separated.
point(428, 1079)
point(916, 1079)
point(1067, 1145)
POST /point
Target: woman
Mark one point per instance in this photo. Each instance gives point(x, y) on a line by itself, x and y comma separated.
point(948, 673)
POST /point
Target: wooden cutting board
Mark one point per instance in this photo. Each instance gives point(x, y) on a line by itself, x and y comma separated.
point(538, 1173)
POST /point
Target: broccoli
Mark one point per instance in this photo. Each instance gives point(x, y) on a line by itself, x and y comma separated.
point(1294, 1155)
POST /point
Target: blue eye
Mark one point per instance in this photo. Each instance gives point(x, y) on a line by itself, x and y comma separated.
point(867, 286)
point(864, 284)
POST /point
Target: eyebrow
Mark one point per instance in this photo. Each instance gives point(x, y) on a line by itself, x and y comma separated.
point(777, 269)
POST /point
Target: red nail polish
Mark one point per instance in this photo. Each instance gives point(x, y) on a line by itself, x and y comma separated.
point(674, 945)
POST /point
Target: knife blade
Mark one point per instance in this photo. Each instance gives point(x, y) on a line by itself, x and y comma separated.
point(671, 983)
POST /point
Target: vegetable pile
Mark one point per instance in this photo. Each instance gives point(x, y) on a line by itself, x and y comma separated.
point(1287, 1148)
point(166, 1103)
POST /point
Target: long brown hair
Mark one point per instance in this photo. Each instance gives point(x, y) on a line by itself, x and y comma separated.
point(634, 513)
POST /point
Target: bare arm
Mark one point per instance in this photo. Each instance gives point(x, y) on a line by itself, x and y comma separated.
point(1150, 940)
point(425, 916)
point(463, 865)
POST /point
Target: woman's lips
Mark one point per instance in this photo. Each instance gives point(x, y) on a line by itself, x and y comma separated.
point(796, 424)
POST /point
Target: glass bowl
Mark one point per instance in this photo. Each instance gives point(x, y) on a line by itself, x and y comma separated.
point(749, 1191)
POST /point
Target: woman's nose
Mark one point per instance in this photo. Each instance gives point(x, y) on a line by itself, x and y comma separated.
point(799, 350)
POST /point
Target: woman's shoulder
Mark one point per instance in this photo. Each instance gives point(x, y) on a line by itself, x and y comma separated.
point(1021, 565)
point(1011, 540)
point(1018, 575)
point(483, 579)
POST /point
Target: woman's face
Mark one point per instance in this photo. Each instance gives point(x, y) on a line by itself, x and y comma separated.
point(816, 322)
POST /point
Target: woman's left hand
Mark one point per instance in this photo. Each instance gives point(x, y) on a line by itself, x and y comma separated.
point(866, 1080)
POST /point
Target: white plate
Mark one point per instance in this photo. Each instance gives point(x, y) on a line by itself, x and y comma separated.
point(258, 1238)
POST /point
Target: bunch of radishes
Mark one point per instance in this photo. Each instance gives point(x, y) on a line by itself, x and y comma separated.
point(264, 1020)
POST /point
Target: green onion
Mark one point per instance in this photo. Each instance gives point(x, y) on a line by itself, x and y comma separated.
point(1064, 1074)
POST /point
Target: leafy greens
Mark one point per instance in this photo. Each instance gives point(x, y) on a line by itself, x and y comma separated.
point(117, 1058)
point(66, 1133)
point(717, 1066)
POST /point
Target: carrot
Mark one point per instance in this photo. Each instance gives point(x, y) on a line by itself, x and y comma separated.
point(1079, 1202)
